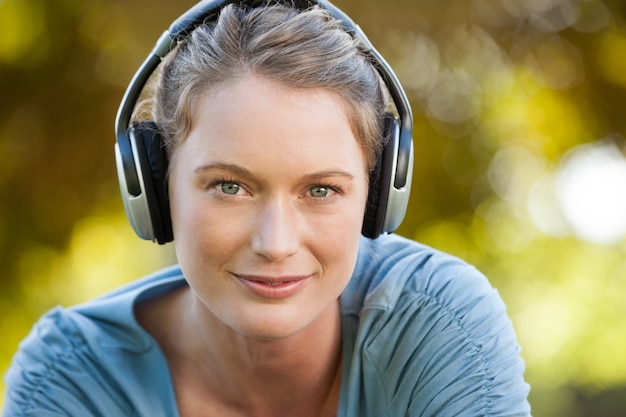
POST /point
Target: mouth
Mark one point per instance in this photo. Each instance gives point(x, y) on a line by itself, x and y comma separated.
point(273, 287)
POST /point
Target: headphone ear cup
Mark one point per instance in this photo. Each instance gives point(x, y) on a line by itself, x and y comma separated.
point(380, 181)
point(153, 170)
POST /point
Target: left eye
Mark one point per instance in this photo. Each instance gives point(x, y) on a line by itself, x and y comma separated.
point(231, 188)
point(320, 191)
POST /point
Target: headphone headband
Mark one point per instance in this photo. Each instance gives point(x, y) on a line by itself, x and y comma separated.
point(130, 173)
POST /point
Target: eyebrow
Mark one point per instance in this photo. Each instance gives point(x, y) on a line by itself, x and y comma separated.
point(225, 167)
point(328, 173)
point(238, 169)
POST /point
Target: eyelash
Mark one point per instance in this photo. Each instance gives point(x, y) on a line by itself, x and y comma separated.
point(335, 189)
point(212, 185)
point(327, 185)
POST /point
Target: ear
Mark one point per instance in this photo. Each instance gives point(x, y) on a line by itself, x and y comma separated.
point(380, 181)
point(148, 210)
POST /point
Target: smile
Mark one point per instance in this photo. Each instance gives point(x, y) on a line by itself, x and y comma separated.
point(273, 287)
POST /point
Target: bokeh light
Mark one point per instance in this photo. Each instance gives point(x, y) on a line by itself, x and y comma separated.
point(591, 187)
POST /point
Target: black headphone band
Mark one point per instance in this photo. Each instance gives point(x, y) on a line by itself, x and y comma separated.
point(137, 199)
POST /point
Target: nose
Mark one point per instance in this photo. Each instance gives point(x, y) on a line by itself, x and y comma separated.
point(275, 234)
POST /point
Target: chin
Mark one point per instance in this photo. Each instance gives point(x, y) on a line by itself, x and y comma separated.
point(275, 322)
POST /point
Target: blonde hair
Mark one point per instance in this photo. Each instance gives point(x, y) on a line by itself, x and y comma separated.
point(299, 49)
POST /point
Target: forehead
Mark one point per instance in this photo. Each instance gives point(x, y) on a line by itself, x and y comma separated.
point(255, 118)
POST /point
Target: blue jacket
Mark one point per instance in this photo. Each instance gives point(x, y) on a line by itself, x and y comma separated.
point(424, 334)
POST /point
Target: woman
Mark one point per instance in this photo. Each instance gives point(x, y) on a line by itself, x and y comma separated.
point(271, 121)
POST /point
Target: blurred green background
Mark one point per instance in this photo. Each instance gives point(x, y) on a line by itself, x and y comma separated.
point(520, 165)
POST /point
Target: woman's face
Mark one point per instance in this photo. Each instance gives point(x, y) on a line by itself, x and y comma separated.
point(267, 195)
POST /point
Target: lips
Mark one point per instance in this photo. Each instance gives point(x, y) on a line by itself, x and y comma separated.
point(273, 287)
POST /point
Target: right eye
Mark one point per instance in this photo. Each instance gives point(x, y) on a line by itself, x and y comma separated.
point(229, 187)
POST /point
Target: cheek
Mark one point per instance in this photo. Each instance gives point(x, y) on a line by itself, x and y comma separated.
point(200, 232)
point(195, 227)
point(337, 242)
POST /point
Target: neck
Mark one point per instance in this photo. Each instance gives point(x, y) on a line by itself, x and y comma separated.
point(255, 374)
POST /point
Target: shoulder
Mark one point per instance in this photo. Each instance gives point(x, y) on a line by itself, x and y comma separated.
point(54, 362)
point(433, 327)
point(392, 269)
point(77, 361)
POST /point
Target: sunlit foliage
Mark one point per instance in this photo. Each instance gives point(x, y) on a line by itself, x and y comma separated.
point(520, 165)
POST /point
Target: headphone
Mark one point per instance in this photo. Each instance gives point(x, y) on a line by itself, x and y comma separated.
point(142, 164)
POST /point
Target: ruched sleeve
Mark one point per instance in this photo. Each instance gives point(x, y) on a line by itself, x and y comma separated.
point(55, 373)
point(94, 360)
point(428, 336)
